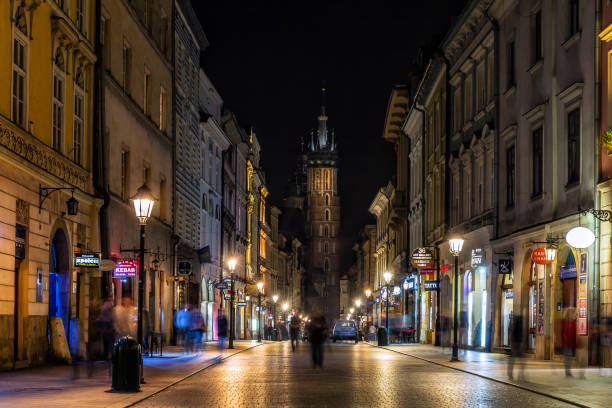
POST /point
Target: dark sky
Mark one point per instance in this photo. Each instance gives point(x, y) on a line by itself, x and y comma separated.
point(268, 60)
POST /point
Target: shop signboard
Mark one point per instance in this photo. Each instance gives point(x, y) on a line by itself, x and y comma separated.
point(477, 257)
point(422, 258)
point(184, 268)
point(541, 308)
point(221, 285)
point(86, 260)
point(567, 272)
point(427, 271)
point(409, 284)
point(241, 304)
point(204, 254)
point(430, 285)
point(539, 256)
point(582, 296)
point(126, 268)
point(444, 268)
point(505, 266)
point(107, 265)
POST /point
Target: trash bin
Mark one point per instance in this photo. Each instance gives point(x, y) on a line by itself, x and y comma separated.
point(127, 360)
point(381, 336)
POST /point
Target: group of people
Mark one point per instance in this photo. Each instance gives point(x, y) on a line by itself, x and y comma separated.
point(191, 328)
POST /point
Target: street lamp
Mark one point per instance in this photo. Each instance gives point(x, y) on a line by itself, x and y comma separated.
point(285, 307)
point(368, 293)
point(260, 289)
point(231, 264)
point(352, 310)
point(143, 205)
point(455, 245)
point(387, 276)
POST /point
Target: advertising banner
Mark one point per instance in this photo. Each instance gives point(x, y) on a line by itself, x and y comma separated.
point(86, 260)
point(582, 296)
point(422, 258)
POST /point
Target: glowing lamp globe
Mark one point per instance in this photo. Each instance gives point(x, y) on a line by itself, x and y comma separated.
point(358, 303)
point(285, 307)
point(351, 310)
point(260, 286)
point(580, 237)
point(275, 298)
point(368, 292)
point(231, 264)
point(396, 290)
point(551, 253)
point(143, 203)
point(455, 245)
point(387, 275)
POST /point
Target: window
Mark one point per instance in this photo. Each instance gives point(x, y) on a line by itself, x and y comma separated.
point(326, 215)
point(326, 248)
point(78, 127)
point(537, 162)
point(326, 265)
point(127, 66)
point(105, 39)
point(147, 93)
point(58, 112)
point(537, 36)
point(480, 187)
point(490, 75)
point(19, 82)
point(162, 109)
point(468, 97)
point(80, 15)
point(146, 174)
point(204, 202)
point(457, 110)
point(480, 87)
point(510, 176)
point(574, 14)
point(125, 172)
point(326, 199)
point(573, 146)
point(326, 231)
point(511, 65)
point(163, 32)
point(162, 198)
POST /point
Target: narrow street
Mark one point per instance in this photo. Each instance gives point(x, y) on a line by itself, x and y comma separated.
point(353, 375)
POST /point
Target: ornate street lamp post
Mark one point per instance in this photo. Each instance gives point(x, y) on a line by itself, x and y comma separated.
point(260, 289)
point(275, 299)
point(455, 245)
point(231, 264)
point(143, 205)
point(387, 276)
point(368, 293)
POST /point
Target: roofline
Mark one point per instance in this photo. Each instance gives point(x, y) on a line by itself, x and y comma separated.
point(467, 10)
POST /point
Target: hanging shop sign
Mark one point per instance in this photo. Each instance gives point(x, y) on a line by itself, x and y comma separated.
point(430, 285)
point(505, 266)
point(582, 296)
point(444, 268)
point(184, 268)
point(408, 284)
point(204, 254)
point(107, 265)
point(87, 260)
point(221, 285)
point(241, 304)
point(126, 268)
point(227, 294)
point(539, 256)
point(509, 294)
point(427, 271)
point(422, 258)
point(568, 272)
point(477, 257)
point(580, 237)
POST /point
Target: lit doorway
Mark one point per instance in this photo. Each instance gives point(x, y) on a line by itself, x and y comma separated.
point(59, 279)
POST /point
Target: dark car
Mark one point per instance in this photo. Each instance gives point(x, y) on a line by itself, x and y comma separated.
point(345, 330)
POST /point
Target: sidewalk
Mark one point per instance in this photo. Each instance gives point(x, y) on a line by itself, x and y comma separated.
point(53, 386)
point(590, 386)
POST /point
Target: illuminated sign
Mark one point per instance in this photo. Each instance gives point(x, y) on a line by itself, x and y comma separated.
point(422, 258)
point(505, 266)
point(87, 260)
point(126, 268)
point(477, 257)
point(444, 268)
point(539, 256)
point(430, 285)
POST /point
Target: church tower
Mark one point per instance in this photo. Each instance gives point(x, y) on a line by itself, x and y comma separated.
point(323, 217)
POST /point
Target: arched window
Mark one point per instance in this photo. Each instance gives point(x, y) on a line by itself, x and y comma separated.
point(326, 231)
point(326, 248)
point(326, 215)
point(204, 202)
point(326, 265)
point(326, 199)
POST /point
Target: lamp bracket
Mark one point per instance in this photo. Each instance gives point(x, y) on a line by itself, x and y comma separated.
point(601, 215)
point(45, 192)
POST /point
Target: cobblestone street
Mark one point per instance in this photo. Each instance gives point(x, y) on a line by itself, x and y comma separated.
point(353, 375)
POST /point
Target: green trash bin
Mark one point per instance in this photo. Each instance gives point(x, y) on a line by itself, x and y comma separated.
point(127, 360)
point(381, 335)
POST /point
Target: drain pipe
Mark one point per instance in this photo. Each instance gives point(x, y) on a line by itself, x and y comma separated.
point(595, 356)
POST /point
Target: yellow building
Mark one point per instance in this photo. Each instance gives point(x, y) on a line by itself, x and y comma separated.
point(46, 123)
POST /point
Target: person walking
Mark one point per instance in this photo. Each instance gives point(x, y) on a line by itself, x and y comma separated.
point(221, 330)
point(568, 336)
point(318, 333)
point(516, 346)
point(294, 328)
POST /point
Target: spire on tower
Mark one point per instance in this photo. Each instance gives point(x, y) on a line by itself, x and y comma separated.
point(322, 132)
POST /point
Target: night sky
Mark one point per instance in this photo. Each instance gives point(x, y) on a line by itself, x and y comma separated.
point(268, 60)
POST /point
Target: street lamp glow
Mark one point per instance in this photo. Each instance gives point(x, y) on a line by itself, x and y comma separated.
point(143, 203)
point(260, 286)
point(358, 303)
point(387, 276)
point(247, 298)
point(231, 264)
point(405, 285)
point(455, 245)
point(275, 298)
point(550, 254)
point(580, 237)
point(368, 292)
point(352, 310)
point(285, 307)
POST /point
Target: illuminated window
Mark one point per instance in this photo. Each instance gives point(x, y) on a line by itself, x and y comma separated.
point(58, 112)
point(78, 126)
point(19, 82)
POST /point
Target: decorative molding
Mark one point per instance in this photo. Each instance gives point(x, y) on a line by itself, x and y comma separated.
point(536, 113)
point(571, 93)
point(22, 211)
point(34, 151)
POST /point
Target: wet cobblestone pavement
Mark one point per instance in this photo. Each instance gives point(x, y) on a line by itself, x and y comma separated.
point(353, 376)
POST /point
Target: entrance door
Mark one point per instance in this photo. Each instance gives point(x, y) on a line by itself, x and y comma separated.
point(59, 279)
point(508, 302)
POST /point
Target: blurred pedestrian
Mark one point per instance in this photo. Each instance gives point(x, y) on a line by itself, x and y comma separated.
point(195, 330)
point(294, 328)
point(183, 320)
point(568, 336)
point(105, 324)
point(221, 330)
point(516, 346)
point(318, 333)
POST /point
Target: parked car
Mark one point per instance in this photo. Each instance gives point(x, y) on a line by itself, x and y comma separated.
point(345, 330)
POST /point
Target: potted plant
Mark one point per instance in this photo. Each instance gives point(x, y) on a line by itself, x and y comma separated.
point(606, 140)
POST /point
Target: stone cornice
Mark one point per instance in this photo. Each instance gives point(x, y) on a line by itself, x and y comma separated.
point(36, 152)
